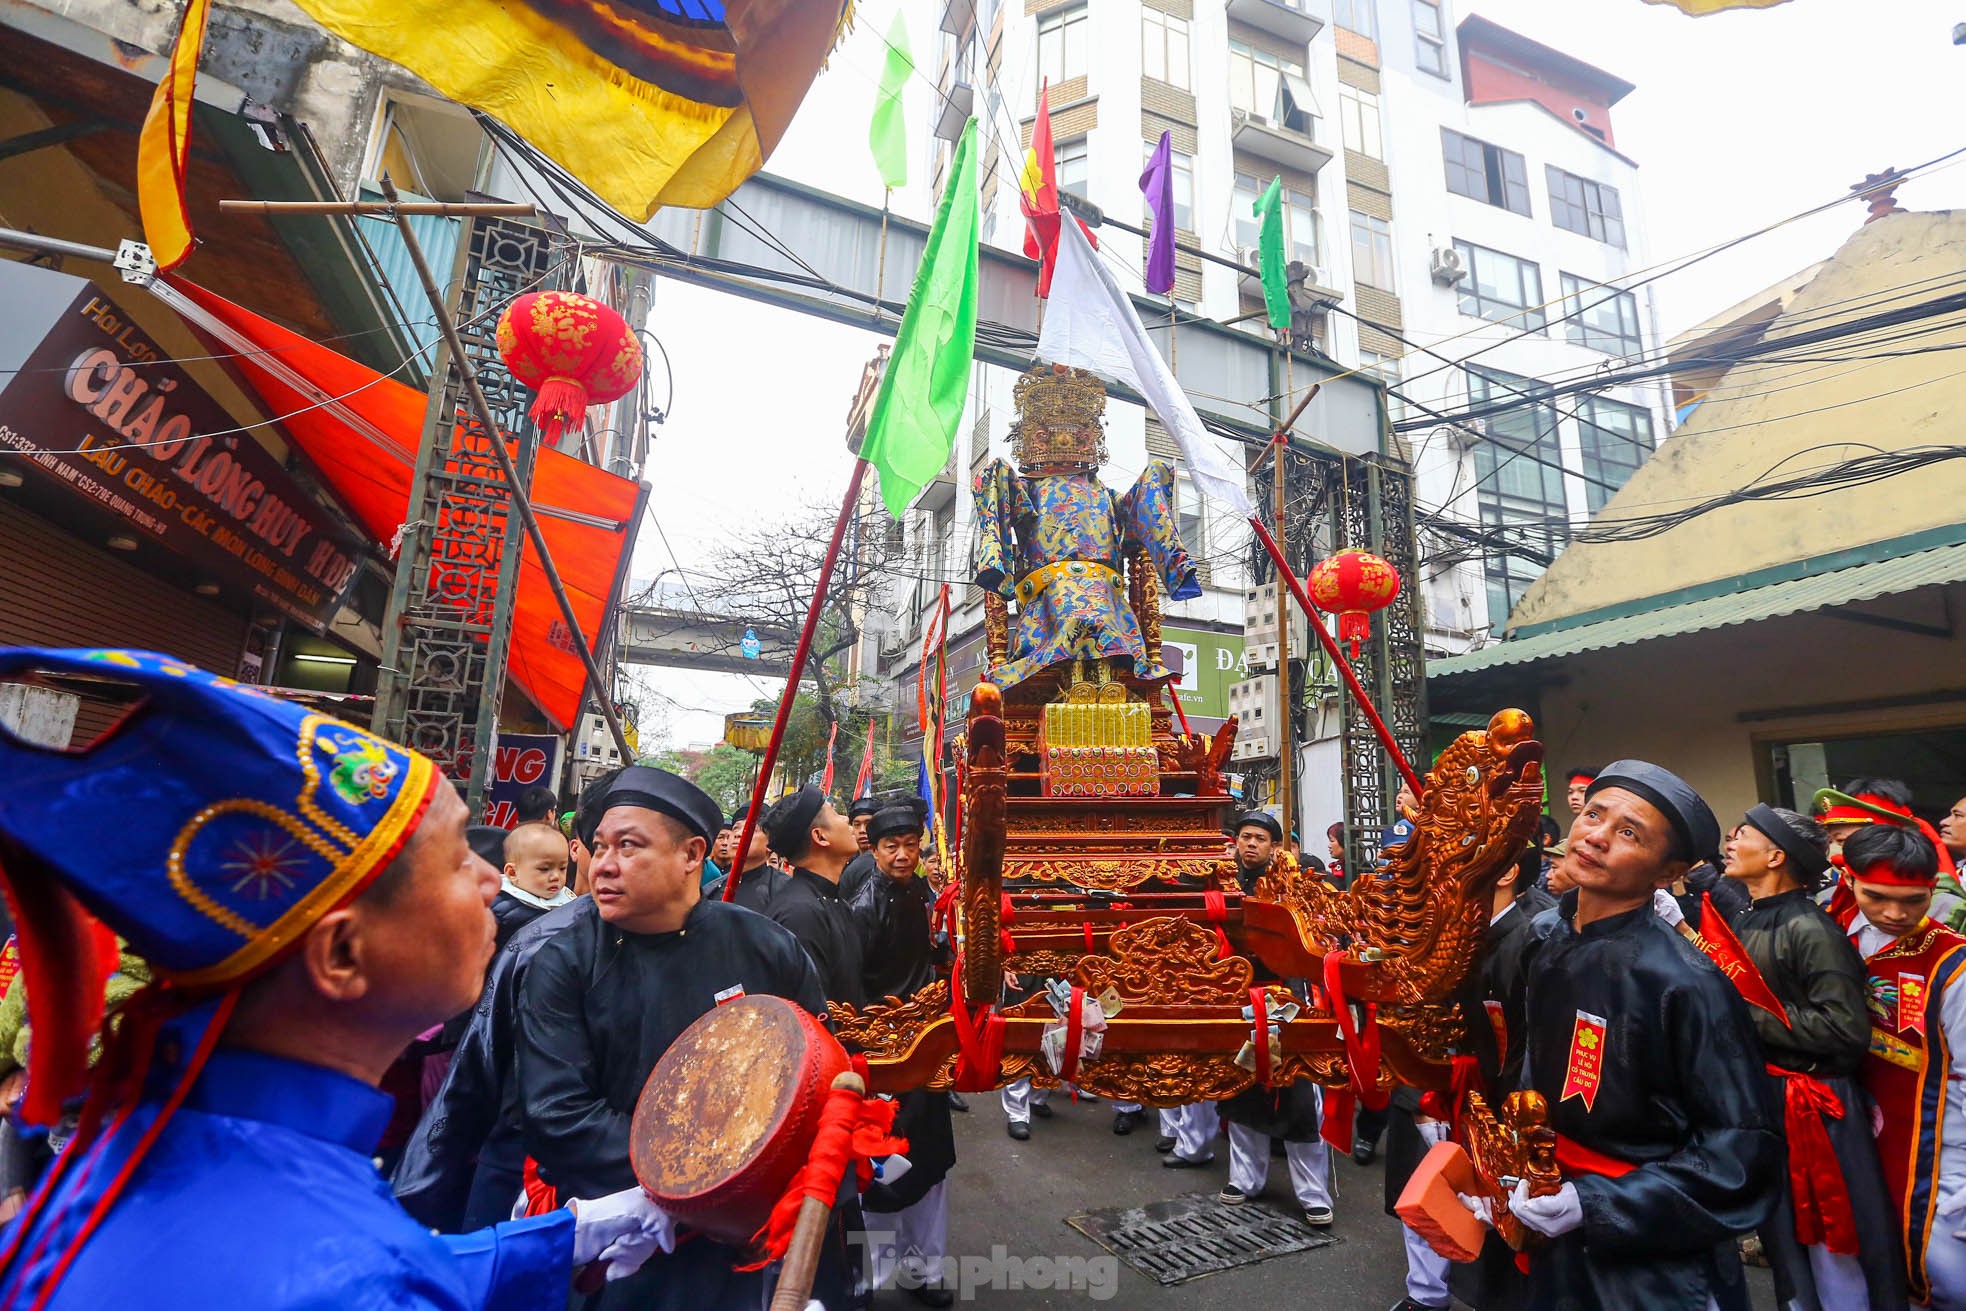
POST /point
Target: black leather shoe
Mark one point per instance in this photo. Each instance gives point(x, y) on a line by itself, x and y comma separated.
point(958, 1102)
point(1018, 1129)
point(1183, 1163)
point(1124, 1122)
point(1042, 1110)
point(1363, 1151)
point(1163, 1144)
point(933, 1295)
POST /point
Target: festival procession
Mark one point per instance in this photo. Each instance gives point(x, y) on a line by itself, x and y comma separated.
point(752, 656)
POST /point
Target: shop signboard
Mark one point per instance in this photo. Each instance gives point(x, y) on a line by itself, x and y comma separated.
point(100, 426)
point(1210, 662)
point(519, 761)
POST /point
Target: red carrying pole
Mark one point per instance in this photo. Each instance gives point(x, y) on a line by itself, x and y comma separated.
point(1330, 644)
point(792, 679)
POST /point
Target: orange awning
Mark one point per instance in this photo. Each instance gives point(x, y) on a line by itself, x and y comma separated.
point(360, 430)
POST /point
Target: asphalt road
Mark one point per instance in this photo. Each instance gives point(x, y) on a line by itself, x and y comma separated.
point(1009, 1202)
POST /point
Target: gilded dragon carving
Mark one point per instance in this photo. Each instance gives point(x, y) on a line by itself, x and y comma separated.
point(1425, 911)
point(1167, 962)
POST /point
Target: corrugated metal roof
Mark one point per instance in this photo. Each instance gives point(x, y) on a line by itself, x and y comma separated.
point(1946, 564)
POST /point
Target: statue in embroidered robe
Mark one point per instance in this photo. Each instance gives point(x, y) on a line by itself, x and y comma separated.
point(1054, 538)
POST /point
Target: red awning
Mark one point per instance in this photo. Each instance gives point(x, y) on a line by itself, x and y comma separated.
point(360, 429)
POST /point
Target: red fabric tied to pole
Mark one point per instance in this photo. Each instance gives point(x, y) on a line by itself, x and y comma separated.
point(1464, 1073)
point(1216, 907)
point(1361, 1052)
point(853, 1129)
point(979, 1057)
point(1006, 912)
point(1074, 1027)
point(1823, 1213)
point(542, 1198)
point(1261, 1012)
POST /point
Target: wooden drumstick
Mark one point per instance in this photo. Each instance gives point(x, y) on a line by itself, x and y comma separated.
point(808, 1234)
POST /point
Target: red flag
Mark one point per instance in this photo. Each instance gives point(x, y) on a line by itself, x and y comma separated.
point(1725, 950)
point(826, 783)
point(1037, 196)
point(864, 783)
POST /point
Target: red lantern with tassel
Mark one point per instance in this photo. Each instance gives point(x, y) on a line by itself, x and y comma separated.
point(570, 349)
point(1352, 584)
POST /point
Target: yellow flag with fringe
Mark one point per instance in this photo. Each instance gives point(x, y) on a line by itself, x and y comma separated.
point(647, 102)
point(164, 146)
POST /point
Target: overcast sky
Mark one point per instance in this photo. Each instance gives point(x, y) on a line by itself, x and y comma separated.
point(1739, 120)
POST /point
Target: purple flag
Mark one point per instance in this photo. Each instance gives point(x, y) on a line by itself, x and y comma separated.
point(1157, 184)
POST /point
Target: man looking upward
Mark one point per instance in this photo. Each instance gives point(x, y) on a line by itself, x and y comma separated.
point(1650, 1066)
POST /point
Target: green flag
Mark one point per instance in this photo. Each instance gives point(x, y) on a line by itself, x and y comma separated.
point(1269, 254)
point(887, 134)
point(920, 403)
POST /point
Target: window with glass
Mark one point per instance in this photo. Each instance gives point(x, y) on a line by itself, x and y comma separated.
point(1270, 88)
point(1358, 119)
point(1501, 287)
point(1518, 483)
point(1302, 231)
point(1182, 169)
point(1070, 160)
point(1386, 369)
point(1372, 251)
point(1486, 173)
point(1601, 318)
point(1615, 438)
point(1356, 16)
point(1431, 30)
point(1164, 47)
point(1188, 521)
point(1581, 205)
point(1061, 44)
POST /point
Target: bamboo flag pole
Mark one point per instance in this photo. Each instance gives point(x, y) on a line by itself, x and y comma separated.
point(799, 655)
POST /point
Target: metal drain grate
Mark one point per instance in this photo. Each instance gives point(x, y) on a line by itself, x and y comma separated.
point(1194, 1235)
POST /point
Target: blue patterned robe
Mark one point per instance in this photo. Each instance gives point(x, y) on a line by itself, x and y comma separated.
point(260, 1193)
point(1075, 523)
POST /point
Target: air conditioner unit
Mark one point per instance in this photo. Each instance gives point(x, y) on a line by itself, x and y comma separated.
point(1446, 266)
point(1250, 257)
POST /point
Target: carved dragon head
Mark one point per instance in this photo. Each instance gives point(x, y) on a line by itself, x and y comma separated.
point(1430, 903)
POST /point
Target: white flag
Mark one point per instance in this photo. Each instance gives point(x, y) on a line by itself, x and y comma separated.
point(1089, 323)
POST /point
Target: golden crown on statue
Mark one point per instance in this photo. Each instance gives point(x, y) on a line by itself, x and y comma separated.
point(1059, 424)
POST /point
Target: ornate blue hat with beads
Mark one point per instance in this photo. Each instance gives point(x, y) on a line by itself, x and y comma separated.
point(213, 823)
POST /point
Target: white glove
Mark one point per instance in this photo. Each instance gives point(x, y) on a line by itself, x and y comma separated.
point(622, 1230)
point(1666, 907)
point(1480, 1207)
point(1551, 1216)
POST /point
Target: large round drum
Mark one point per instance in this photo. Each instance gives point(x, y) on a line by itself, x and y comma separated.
point(729, 1113)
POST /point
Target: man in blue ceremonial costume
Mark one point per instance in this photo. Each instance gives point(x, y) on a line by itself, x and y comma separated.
point(308, 904)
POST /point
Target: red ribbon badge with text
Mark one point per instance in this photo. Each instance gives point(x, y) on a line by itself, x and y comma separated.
point(1911, 1004)
point(1586, 1059)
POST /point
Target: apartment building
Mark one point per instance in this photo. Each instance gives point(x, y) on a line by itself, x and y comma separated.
point(1447, 185)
